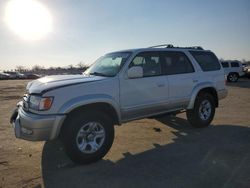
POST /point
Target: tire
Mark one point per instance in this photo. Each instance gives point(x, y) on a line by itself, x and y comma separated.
point(232, 77)
point(200, 116)
point(82, 136)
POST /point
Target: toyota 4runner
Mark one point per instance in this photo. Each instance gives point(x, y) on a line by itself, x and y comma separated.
point(120, 87)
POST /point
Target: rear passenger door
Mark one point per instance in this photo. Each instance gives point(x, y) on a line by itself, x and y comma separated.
point(181, 78)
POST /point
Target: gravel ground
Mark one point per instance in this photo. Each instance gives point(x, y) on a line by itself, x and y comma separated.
point(166, 152)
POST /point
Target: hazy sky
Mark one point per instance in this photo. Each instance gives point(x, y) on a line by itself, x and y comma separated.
point(86, 29)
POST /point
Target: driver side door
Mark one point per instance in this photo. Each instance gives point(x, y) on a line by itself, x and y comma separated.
point(140, 97)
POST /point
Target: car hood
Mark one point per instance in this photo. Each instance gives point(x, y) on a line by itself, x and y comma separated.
point(48, 83)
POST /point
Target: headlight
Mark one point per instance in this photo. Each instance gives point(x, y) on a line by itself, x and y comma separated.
point(40, 103)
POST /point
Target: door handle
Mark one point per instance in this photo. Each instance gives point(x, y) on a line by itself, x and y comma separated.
point(160, 85)
point(195, 81)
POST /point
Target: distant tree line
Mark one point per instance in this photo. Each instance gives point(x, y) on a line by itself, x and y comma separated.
point(41, 70)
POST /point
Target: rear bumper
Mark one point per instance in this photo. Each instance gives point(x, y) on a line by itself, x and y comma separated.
point(222, 94)
point(241, 73)
point(36, 127)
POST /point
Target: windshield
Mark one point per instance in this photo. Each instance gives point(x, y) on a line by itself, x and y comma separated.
point(108, 65)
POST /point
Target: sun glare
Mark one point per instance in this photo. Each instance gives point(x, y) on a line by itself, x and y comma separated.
point(29, 19)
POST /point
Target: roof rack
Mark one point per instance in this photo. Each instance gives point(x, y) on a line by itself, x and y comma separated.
point(172, 46)
point(162, 45)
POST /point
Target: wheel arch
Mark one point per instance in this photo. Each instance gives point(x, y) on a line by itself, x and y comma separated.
point(205, 89)
point(104, 104)
point(104, 107)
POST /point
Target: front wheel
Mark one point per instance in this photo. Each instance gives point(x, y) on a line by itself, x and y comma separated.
point(87, 137)
point(232, 77)
point(203, 112)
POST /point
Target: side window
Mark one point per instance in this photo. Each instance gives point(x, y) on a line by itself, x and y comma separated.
point(207, 60)
point(149, 61)
point(225, 64)
point(176, 63)
point(235, 64)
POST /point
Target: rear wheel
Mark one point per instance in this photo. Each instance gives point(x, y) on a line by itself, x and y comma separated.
point(203, 112)
point(232, 77)
point(87, 137)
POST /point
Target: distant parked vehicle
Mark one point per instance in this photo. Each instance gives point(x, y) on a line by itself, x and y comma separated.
point(4, 76)
point(32, 76)
point(243, 65)
point(15, 75)
point(247, 71)
point(233, 70)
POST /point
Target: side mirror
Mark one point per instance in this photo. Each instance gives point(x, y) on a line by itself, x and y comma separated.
point(135, 72)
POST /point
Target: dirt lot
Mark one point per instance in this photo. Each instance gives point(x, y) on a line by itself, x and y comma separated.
point(166, 152)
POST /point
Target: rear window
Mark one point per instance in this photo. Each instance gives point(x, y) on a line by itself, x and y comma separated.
point(207, 60)
point(225, 64)
point(235, 64)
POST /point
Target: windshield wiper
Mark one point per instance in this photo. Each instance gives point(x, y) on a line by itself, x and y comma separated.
point(99, 74)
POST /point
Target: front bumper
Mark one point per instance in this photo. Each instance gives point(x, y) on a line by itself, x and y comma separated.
point(34, 127)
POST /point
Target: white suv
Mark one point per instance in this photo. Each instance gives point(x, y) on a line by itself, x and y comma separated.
point(233, 70)
point(120, 87)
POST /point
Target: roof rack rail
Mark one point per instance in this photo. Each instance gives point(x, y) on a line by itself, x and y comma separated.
point(172, 46)
point(195, 47)
point(162, 45)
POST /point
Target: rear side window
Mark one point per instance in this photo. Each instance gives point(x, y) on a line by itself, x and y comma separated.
point(235, 64)
point(150, 62)
point(176, 63)
point(207, 60)
point(225, 64)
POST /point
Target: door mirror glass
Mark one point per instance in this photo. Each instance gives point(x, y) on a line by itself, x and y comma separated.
point(135, 72)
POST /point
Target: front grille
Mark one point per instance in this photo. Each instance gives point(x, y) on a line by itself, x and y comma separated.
point(26, 102)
